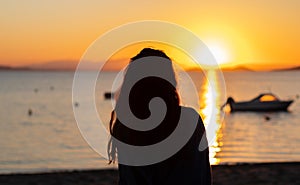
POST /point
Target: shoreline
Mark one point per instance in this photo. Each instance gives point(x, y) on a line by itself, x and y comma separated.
point(246, 173)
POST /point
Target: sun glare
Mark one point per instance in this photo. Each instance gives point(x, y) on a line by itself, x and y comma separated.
point(211, 114)
point(219, 53)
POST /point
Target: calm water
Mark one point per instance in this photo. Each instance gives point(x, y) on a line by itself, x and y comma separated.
point(50, 138)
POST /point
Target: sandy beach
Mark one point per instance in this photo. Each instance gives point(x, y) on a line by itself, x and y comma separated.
point(243, 174)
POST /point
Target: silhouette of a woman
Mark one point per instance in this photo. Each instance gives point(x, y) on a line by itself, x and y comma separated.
point(188, 166)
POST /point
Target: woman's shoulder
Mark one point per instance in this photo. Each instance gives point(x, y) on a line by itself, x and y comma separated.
point(190, 111)
point(190, 114)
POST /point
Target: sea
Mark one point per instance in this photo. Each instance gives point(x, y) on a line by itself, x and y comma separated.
point(39, 132)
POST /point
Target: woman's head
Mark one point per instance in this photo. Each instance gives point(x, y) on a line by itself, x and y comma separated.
point(151, 85)
point(146, 52)
point(167, 67)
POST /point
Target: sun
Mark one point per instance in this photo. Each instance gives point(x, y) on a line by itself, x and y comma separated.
point(219, 52)
point(212, 54)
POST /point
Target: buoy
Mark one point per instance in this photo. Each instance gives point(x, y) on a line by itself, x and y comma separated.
point(29, 112)
point(267, 118)
point(108, 95)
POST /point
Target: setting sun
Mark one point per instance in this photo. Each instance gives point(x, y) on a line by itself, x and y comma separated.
point(219, 52)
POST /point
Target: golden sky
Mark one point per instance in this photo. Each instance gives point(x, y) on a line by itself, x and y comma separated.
point(259, 34)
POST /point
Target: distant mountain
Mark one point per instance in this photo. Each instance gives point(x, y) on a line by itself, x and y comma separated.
point(236, 68)
point(289, 69)
point(5, 68)
point(54, 65)
point(113, 65)
point(13, 68)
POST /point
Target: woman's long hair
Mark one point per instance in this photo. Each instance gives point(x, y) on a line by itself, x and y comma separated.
point(140, 95)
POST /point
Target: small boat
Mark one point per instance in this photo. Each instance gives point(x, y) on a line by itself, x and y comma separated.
point(264, 102)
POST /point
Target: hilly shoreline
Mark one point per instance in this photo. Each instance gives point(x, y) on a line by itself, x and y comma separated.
point(90, 66)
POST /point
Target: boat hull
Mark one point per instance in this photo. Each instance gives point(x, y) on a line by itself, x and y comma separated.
point(260, 106)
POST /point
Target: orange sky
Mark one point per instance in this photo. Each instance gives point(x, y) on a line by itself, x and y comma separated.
point(259, 34)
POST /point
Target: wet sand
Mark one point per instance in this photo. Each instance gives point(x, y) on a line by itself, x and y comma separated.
point(243, 174)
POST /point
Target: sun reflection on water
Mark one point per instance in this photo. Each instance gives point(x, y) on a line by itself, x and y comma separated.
point(211, 114)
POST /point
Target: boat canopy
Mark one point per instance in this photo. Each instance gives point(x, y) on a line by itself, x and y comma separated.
point(266, 97)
